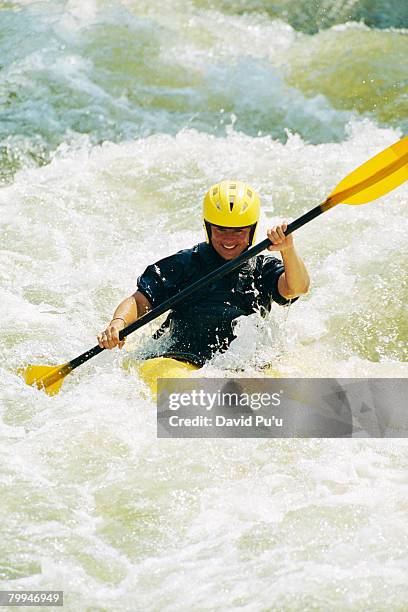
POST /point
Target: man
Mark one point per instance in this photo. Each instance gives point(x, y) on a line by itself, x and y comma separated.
point(203, 323)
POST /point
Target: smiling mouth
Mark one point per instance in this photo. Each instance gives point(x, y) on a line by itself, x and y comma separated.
point(224, 246)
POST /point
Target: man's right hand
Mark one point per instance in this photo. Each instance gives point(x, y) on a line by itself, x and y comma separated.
point(109, 338)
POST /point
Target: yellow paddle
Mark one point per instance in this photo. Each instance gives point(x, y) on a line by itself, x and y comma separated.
point(378, 176)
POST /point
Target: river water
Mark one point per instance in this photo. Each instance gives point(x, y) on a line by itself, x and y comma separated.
point(115, 117)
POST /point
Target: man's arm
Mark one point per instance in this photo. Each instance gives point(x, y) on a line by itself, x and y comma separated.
point(295, 279)
point(128, 311)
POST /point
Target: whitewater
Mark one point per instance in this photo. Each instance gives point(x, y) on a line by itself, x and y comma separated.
point(115, 118)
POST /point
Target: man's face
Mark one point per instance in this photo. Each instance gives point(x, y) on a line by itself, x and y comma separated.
point(229, 242)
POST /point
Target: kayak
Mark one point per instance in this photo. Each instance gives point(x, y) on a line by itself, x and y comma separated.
point(150, 370)
point(163, 367)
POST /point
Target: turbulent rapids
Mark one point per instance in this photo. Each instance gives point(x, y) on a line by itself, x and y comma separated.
point(115, 117)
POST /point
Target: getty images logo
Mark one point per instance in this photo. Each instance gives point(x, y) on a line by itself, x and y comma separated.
point(223, 399)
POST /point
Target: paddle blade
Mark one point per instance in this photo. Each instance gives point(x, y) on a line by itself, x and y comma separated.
point(48, 378)
point(375, 178)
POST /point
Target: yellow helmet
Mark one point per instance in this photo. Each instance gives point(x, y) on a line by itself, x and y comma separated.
point(231, 204)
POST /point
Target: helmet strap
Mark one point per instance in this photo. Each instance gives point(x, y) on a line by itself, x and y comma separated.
point(208, 229)
point(252, 233)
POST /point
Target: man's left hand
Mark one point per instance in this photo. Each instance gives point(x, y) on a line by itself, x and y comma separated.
point(277, 235)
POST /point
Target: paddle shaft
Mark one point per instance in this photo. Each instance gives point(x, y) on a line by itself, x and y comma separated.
point(202, 282)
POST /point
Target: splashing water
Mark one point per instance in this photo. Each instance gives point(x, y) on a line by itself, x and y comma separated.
point(114, 119)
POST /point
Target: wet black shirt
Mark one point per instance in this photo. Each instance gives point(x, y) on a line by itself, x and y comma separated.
point(203, 323)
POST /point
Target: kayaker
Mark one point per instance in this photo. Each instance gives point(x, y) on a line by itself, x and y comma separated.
point(204, 323)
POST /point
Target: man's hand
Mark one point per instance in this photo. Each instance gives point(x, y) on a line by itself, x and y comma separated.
point(109, 338)
point(277, 235)
point(126, 313)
